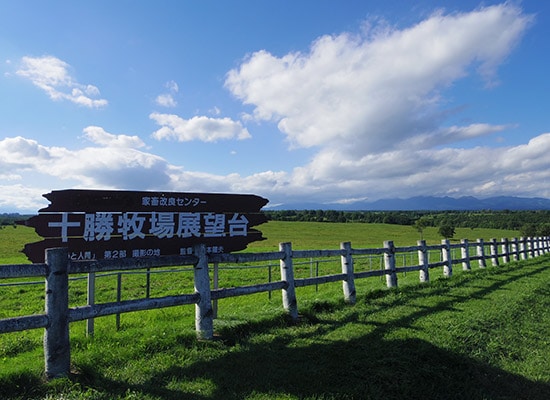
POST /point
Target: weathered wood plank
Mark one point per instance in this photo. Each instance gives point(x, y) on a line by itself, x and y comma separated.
point(24, 323)
point(222, 293)
point(407, 249)
point(101, 310)
point(317, 253)
point(319, 279)
point(245, 257)
point(348, 284)
point(361, 252)
point(408, 268)
point(22, 270)
point(424, 275)
point(389, 264)
point(368, 274)
point(437, 264)
point(288, 293)
point(57, 349)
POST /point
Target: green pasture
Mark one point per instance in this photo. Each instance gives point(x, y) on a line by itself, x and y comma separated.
point(302, 235)
point(327, 235)
point(483, 334)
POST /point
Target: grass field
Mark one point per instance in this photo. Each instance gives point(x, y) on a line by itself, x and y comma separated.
point(483, 334)
point(323, 235)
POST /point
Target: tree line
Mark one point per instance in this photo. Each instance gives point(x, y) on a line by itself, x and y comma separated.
point(528, 222)
point(10, 219)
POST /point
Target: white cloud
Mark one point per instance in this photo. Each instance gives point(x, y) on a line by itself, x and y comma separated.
point(372, 104)
point(172, 86)
point(167, 99)
point(115, 168)
point(451, 134)
point(197, 128)
point(362, 94)
point(110, 165)
point(52, 75)
point(19, 152)
point(20, 198)
point(516, 170)
point(99, 136)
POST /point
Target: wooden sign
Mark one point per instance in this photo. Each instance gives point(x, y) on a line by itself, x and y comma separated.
point(103, 224)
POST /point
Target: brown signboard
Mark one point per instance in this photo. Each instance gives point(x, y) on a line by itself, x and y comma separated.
point(103, 224)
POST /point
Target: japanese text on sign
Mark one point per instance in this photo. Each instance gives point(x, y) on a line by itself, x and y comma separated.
point(155, 201)
point(131, 225)
point(148, 252)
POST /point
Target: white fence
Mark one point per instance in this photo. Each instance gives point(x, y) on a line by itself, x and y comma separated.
point(57, 268)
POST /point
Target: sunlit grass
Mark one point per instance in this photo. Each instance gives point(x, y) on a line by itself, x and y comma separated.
point(483, 334)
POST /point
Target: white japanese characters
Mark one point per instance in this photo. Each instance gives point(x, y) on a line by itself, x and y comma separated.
point(117, 224)
point(102, 226)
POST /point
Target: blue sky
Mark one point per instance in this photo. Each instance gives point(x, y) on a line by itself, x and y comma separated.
point(314, 101)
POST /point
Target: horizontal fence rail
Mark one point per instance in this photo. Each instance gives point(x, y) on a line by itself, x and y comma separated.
point(57, 268)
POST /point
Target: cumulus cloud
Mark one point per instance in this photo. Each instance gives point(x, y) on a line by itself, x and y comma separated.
point(53, 76)
point(98, 166)
point(99, 136)
point(21, 198)
point(372, 104)
point(365, 92)
point(197, 128)
point(480, 171)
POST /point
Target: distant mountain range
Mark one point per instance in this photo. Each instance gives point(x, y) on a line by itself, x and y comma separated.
point(428, 203)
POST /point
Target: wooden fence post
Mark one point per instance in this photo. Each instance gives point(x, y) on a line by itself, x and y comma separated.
point(348, 283)
point(505, 250)
point(481, 253)
point(522, 248)
point(287, 275)
point(118, 298)
point(216, 286)
point(530, 247)
point(465, 252)
point(389, 264)
point(204, 321)
point(423, 261)
point(515, 249)
point(91, 302)
point(494, 252)
point(57, 349)
point(447, 259)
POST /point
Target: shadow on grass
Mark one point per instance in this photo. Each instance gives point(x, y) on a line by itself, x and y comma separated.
point(262, 361)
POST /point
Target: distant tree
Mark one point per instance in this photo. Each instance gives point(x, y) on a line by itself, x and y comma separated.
point(420, 224)
point(528, 230)
point(447, 231)
point(544, 230)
